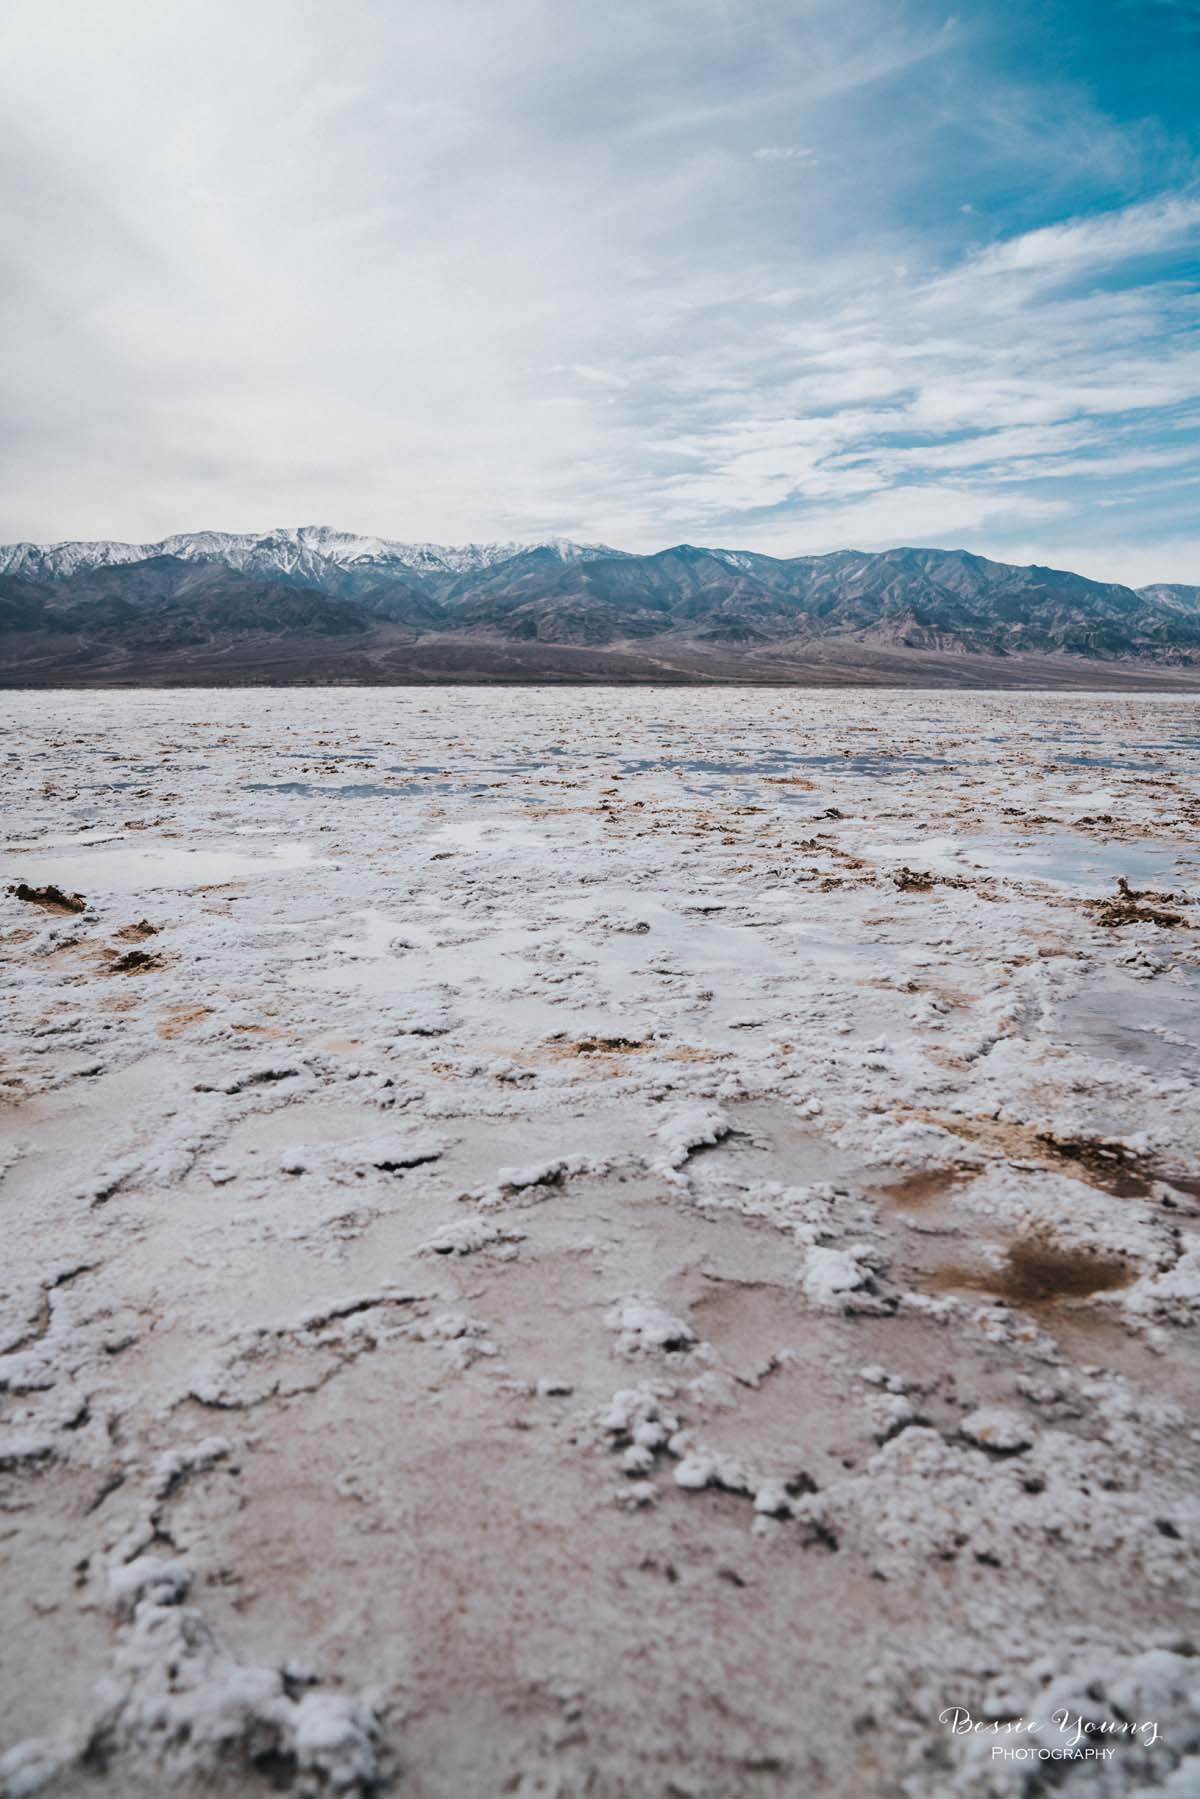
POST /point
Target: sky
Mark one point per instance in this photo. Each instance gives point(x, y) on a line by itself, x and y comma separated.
point(786, 275)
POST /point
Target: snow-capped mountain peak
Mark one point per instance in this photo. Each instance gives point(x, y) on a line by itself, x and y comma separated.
point(291, 551)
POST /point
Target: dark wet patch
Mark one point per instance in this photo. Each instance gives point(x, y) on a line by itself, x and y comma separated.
point(920, 880)
point(1036, 1270)
point(1131, 906)
point(49, 898)
point(1114, 1168)
point(1107, 1165)
point(136, 961)
point(924, 1187)
point(1095, 1160)
point(137, 933)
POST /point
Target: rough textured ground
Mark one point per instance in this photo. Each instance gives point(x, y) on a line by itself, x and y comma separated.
point(610, 1244)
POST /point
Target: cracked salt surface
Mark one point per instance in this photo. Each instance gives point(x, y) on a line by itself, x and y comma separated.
point(624, 1243)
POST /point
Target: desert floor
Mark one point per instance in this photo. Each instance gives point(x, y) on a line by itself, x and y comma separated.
point(610, 1243)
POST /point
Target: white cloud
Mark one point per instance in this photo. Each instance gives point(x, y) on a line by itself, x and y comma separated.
point(1175, 559)
point(483, 270)
point(1064, 250)
point(784, 153)
point(932, 515)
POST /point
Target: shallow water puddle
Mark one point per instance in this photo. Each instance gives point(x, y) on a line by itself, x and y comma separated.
point(1074, 860)
point(132, 867)
point(1063, 857)
point(781, 764)
point(352, 790)
point(851, 958)
point(640, 929)
point(1151, 1023)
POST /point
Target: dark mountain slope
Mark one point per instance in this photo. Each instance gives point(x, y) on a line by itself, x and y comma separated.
point(1173, 594)
point(677, 608)
point(165, 602)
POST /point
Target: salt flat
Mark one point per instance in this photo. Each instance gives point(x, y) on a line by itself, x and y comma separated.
point(597, 1242)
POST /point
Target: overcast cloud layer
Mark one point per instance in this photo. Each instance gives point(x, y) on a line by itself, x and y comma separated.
point(778, 274)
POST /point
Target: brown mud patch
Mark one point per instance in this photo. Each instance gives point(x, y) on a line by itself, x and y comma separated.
point(1037, 1271)
point(135, 961)
point(1100, 1163)
point(181, 1018)
point(920, 880)
point(1129, 907)
point(117, 1002)
point(49, 898)
point(1107, 1165)
point(604, 1054)
point(924, 1187)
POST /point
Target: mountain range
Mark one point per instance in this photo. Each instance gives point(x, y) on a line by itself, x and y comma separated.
point(316, 604)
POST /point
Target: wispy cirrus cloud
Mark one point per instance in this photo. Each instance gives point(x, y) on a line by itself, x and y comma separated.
point(1063, 251)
